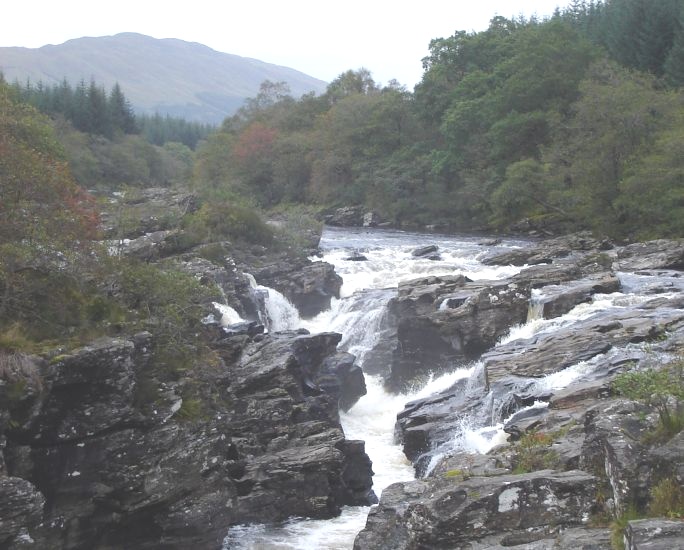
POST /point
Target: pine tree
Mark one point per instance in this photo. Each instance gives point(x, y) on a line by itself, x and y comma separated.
point(120, 112)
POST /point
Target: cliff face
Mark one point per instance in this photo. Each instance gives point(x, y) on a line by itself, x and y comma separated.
point(106, 446)
point(260, 440)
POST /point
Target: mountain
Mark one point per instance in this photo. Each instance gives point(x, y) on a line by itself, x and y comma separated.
point(167, 75)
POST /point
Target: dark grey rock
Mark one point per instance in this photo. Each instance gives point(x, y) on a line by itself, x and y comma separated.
point(424, 250)
point(444, 512)
point(654, 534)
point(347, 216)
point(21, 510)
point(660, 254)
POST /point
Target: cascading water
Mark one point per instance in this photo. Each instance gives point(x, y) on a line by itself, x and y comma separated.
point(359, 315)
point(275, 311)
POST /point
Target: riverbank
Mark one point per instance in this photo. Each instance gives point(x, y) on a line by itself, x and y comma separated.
point(97, 450)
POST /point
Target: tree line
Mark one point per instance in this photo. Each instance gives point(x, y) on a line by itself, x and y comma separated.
point(558, 124)
point(93, 110)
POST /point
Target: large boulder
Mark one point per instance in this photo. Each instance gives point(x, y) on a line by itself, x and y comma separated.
point(660, 254)
point(310, 286)
point(479, 512)
point(441, 320)
point(346, 216)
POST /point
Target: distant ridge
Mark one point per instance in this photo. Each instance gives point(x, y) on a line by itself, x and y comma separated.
point(164, 75)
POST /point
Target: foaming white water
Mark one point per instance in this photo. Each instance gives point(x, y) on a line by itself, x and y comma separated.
point(280, 313)
point(276, 312)
point(359, 316)
point(599, 303)
point(228, 315)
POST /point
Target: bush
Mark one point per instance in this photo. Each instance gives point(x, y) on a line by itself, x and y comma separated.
point(662, 389)
point(533, 452)
point(667, 499)
point(225, 221)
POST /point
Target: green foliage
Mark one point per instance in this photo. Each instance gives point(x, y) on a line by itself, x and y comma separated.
point(218, 221)
point(617, 528)
point(46, 224)
point(160, 130)
point(168, 303)
point(662, 389)
point(533, 452)
point(191, 410)
point(88, 107)
point(667, 499)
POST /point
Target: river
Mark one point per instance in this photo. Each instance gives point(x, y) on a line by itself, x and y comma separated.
point(359, 315)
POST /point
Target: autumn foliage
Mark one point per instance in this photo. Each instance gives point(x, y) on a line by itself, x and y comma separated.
point(47, 222)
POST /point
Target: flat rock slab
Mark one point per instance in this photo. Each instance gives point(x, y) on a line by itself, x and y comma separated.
point(655, 534)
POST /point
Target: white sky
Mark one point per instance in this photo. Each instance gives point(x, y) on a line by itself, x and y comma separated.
point(318, 37)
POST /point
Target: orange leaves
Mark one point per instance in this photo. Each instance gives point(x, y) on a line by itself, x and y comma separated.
point(255, 140)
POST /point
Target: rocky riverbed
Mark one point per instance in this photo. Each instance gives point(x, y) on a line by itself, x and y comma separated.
point(97, 451)
point(577, 457)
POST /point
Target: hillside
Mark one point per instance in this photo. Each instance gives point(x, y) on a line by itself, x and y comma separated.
point(171, 76)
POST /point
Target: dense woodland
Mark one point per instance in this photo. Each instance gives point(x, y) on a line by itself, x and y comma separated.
point(570, 122)
point(576, 122)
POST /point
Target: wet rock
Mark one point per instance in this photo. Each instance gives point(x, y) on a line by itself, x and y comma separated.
point(356, 256)
point(660, 254)
point(557, 300)
point(547, 353)
point(234, 285)
point(654, 534)
point(308, 285)
point(566, 246)
point(423, 251)
point(347, 216)
point(124, 459)
point(505, 510)
point(442, 320)
point(21, 510)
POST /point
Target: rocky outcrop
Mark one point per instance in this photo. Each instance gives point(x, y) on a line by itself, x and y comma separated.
point(441, 320)
point(308, 285)
point(479, 512)
point(660, 254)
point(654, 534)
point(567, 246)
point(583, 428)
point(346, 216)
point(545, 354)
point(107, 454)
point(143, 211)
point(353, 216)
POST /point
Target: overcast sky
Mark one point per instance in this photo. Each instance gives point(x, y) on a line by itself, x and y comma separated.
point(318, 37)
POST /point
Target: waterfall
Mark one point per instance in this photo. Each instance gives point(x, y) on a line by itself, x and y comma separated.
point(275, 311)
point(536, 308)
point(361, 316)
point(228, 315)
